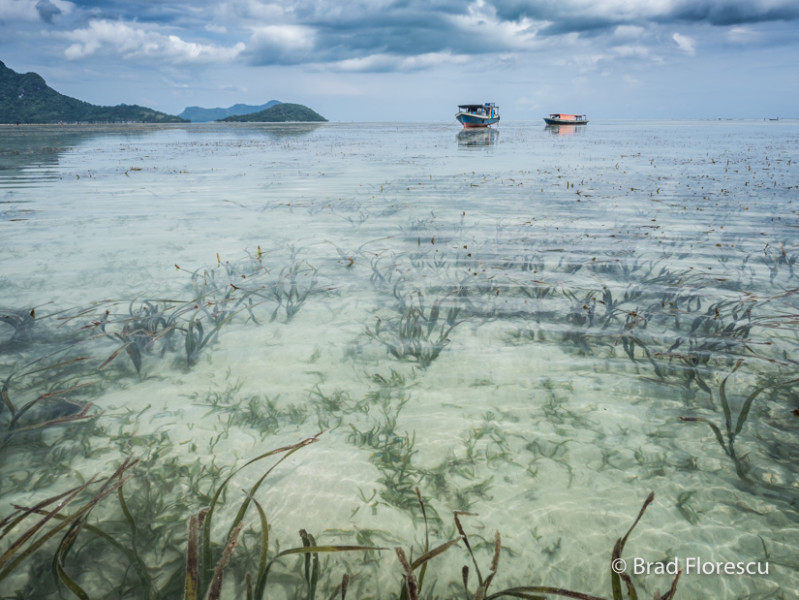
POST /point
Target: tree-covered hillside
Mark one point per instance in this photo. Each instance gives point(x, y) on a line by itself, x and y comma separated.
point(281, 113)
point(198, 114)
point(28, 99)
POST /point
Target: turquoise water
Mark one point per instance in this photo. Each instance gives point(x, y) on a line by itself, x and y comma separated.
point(524, 324)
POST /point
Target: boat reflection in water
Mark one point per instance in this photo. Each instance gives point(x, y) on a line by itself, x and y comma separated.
point(565, 129)
point(273, 131)
point(477, 137)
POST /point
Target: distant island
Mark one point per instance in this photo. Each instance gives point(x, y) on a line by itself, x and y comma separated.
point(279, 113)
point(28, 99)
point(198, 114)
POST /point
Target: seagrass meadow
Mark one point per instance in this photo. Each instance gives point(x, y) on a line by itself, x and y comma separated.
point(392, 360)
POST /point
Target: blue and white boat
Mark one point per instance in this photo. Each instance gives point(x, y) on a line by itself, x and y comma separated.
point(477, 115)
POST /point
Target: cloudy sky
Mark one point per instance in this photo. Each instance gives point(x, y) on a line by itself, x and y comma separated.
point(387, 60)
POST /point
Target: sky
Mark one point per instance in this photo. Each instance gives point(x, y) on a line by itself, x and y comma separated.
point(416, 60)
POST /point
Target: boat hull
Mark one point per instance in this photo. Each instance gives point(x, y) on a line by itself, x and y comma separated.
point(471, 121)
point(555, 121)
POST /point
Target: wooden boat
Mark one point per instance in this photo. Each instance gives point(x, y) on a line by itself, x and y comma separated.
point(477, 115)
point(564, 119)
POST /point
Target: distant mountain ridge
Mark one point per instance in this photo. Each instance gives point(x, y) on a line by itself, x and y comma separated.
point(198, 114)
point(28, 99)
point(281, 113)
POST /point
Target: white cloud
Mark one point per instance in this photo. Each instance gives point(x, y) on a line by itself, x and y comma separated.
point(181, 51)
point(391, 62)
point(628, 32)
point(631, 51)
point(134, 42)
point(274, 44)
point(618, 10)
point(481, 21)
point(743, 35)
point(286, 37)
point(214, 28)
point(686, 44)
point(18, 10)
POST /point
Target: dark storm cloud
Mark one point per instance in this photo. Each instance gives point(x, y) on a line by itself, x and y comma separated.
point(406, 28)
point(586, 26)
point(564, 17)
point(735, 13)
point(569, 16)
point(386, 34)
point(151, 11)
point(401, 29)
point(406, 35)
point(47, 10)
point(324, 9)
point(515, 10)
point(322, 31)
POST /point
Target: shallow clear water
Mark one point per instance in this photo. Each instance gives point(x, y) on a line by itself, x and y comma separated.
point(516, 322)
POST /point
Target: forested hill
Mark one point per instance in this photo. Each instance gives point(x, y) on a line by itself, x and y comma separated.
point(281, 113)
point(198, 114)
point(28, 99)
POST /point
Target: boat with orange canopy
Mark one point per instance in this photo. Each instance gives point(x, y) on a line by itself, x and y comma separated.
point(564, 119)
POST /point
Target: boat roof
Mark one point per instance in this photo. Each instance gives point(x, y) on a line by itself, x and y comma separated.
point(476, 106)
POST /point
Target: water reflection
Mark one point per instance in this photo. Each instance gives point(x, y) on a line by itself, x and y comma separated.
point(290, 130)
point(565, 129)
point(273, 131)
point(30, 155)
point(477, 137)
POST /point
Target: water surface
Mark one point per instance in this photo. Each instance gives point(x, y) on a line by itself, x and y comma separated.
point(537, 326)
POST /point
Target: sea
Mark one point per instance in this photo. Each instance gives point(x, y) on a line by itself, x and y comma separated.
point(403, 359)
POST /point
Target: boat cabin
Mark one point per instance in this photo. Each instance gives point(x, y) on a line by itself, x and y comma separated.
point(487, 109)
point(564, 117)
